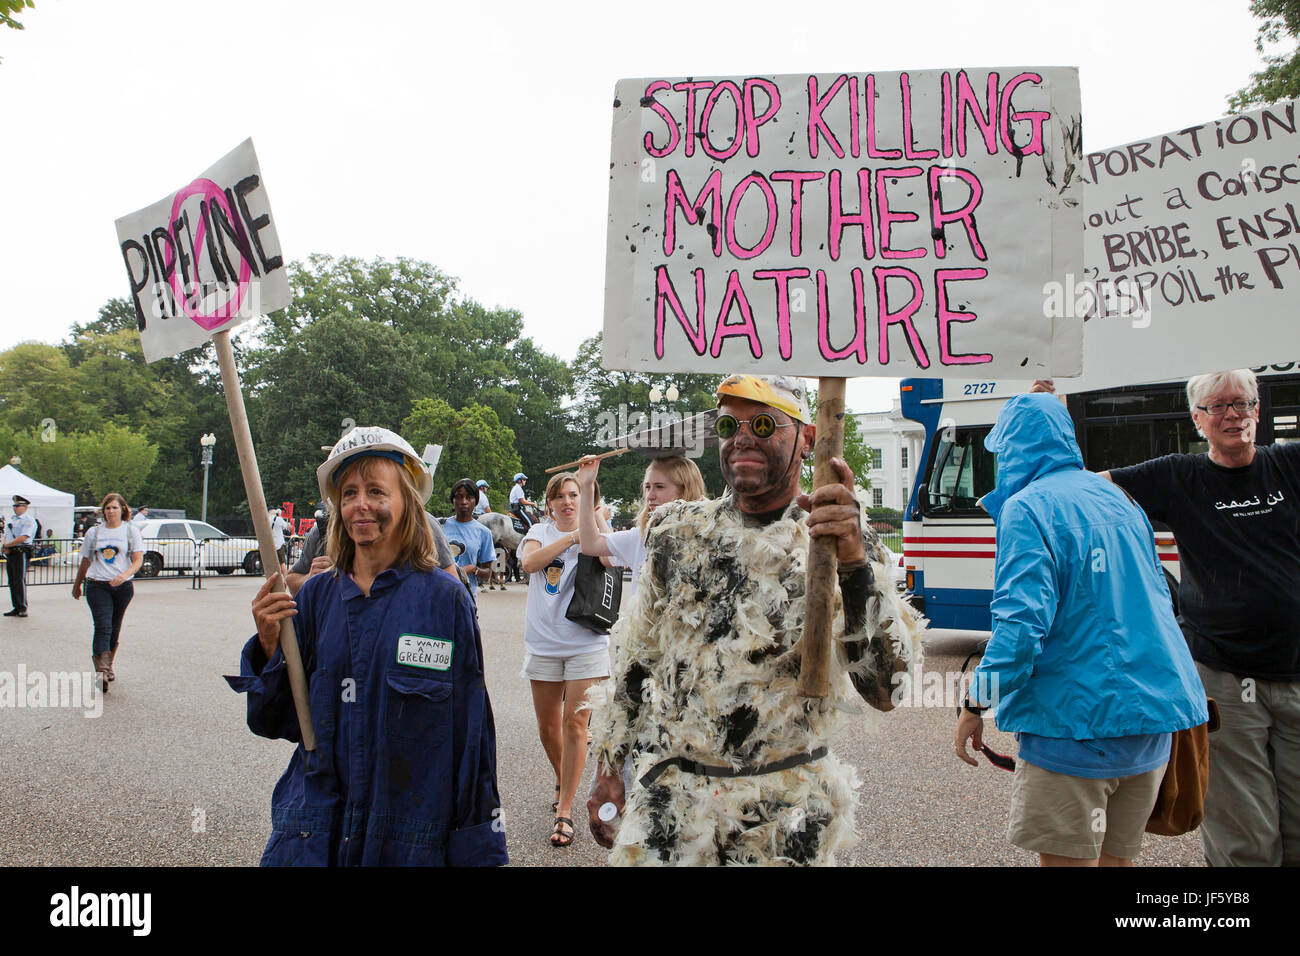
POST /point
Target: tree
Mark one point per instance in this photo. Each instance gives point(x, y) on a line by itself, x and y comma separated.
point(474, 445)
point(51, 459)
point(36, 383)
point(114, 458)
point(1280, 78)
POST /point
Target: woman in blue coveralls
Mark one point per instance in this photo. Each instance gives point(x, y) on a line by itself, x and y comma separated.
point(404, 772)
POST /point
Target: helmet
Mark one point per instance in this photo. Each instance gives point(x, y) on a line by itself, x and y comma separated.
point(372, 440)
point(520, 475)
point(777, 391)
point(482, 483)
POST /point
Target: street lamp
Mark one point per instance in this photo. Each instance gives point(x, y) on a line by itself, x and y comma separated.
point(207, 441)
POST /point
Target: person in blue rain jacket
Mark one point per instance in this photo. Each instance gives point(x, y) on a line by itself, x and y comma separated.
point(1087, 664)
point(404, 771)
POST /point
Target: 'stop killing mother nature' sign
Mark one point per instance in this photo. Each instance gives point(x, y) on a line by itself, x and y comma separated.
point(845, 224)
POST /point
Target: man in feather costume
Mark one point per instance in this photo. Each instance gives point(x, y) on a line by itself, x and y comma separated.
point(727, 763)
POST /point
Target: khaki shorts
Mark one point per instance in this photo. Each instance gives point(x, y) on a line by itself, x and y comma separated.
point(559, 669)
point(1081, 817)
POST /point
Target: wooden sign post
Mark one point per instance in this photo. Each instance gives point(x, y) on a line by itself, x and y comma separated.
point(201, 261)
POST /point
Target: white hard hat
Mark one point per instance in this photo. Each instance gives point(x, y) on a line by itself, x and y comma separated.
point(373, 440)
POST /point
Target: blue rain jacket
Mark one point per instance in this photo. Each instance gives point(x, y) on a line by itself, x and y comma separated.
point(404, 773)
point(1085, 644)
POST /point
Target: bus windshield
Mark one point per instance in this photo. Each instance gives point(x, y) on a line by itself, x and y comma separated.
point(963, 472)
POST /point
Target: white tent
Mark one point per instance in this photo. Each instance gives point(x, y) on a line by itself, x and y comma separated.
point(53, 508)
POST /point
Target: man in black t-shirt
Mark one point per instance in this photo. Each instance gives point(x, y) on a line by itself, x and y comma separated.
point(1236, 516)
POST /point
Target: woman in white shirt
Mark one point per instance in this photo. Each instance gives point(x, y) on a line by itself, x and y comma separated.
point(666, 479)
point(111, 553)
point(563, 658)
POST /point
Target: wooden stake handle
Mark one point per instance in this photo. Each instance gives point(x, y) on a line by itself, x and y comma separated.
point(603, 455)
point(262, 524)
point(819, 595)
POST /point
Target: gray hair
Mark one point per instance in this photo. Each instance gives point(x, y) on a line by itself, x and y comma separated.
point(1199, 386)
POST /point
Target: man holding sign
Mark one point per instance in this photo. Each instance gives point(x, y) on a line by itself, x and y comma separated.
point(730, 764)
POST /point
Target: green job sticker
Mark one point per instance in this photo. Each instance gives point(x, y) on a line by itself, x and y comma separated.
point(416, 650)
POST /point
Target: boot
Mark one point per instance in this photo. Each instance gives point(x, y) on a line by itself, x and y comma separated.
point(112, 655)
point(101, 668)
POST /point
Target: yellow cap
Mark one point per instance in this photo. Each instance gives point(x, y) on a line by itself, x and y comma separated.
point(779, 391)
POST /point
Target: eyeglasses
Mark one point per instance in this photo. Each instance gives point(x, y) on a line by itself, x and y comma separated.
point(760, 426)
point(1242, 405)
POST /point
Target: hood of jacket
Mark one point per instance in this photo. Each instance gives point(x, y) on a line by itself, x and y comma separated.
point(1033, 437)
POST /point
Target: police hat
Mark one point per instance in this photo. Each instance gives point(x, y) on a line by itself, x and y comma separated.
point(20, 500)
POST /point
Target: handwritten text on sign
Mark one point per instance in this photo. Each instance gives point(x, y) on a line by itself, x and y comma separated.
point(205, 258)
point(843, 224)
point(1192, 246)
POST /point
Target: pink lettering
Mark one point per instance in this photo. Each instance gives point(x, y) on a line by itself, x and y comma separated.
point(840, 220)
point(939, 217)
point(887, 216)
point(726, 86)
point(753, 121)
point(735, 294)
point(858, 345)
point(737, 194)
point(987, 122)
point(783, 277)
point(816, 127)
point(673, 135)
point(689, 87)
point(1036, 118)
point(666, 295)
point(675, 198)
point(901, 316)
point(796, 179)
point(871, 125)
point(941, 279)
point(908, 148)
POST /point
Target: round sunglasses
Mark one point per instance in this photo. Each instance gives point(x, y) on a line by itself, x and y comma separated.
point(762, 426)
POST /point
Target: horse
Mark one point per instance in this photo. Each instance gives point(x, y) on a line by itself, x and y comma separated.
point(505, 538)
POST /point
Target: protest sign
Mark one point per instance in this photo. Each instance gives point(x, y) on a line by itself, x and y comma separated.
point(844, 224)
point(205, 258)
point(200, 262)
point(1192, 252)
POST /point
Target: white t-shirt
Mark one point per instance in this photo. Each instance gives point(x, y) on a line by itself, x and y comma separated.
point(278, 527)
point(110, 550)
point(627, 548)
point(483, 503)
point(516, 493)
point(547, 632)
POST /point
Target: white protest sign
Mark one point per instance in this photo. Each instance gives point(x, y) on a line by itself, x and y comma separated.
point(205, 258)
point(430, 457)
point(1192, 252)
point(844, 224)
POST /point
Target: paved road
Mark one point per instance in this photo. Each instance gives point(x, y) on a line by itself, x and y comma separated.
point(170, 774)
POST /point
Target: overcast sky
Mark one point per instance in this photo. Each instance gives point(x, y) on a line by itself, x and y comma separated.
point(479, 141)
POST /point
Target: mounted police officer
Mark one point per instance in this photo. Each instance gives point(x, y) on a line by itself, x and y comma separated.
point(19, 542)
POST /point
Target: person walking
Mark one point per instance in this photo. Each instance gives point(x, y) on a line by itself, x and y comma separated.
point(19, 538)
point(111, 554)
point(563, 658)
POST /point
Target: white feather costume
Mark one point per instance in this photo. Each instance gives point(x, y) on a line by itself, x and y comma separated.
point(703, 671)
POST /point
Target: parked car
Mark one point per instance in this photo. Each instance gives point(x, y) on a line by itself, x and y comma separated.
point(169, 545)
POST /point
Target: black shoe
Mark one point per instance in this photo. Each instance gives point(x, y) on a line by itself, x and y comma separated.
point(15, 613)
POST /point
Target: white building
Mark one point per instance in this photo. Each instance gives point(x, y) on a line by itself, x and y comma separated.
point(895, 446)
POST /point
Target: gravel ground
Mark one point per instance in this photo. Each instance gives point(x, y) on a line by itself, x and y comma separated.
point(170, 775)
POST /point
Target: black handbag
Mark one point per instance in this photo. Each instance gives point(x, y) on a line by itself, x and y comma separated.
point(597, 591)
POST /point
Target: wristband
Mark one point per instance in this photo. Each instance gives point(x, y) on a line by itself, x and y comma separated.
point(972, 709)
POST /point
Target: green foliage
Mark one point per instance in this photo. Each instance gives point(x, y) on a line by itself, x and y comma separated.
point(366, 341)
point(114, 458)
point(1280, 78)
point(8, 9)
point(474, 445)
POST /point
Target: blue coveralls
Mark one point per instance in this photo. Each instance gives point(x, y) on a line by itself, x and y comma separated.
point(404, 773)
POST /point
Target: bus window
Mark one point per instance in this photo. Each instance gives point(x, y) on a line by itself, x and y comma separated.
point(1177, 437)
point(962, 472)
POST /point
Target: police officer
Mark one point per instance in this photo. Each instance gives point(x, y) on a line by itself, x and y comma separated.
point(20, 534)
point(483, 506)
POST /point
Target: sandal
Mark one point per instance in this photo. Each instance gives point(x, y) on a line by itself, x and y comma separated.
point(559, 838)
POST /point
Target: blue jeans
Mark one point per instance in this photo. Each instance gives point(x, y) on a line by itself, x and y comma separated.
point(107, 608)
